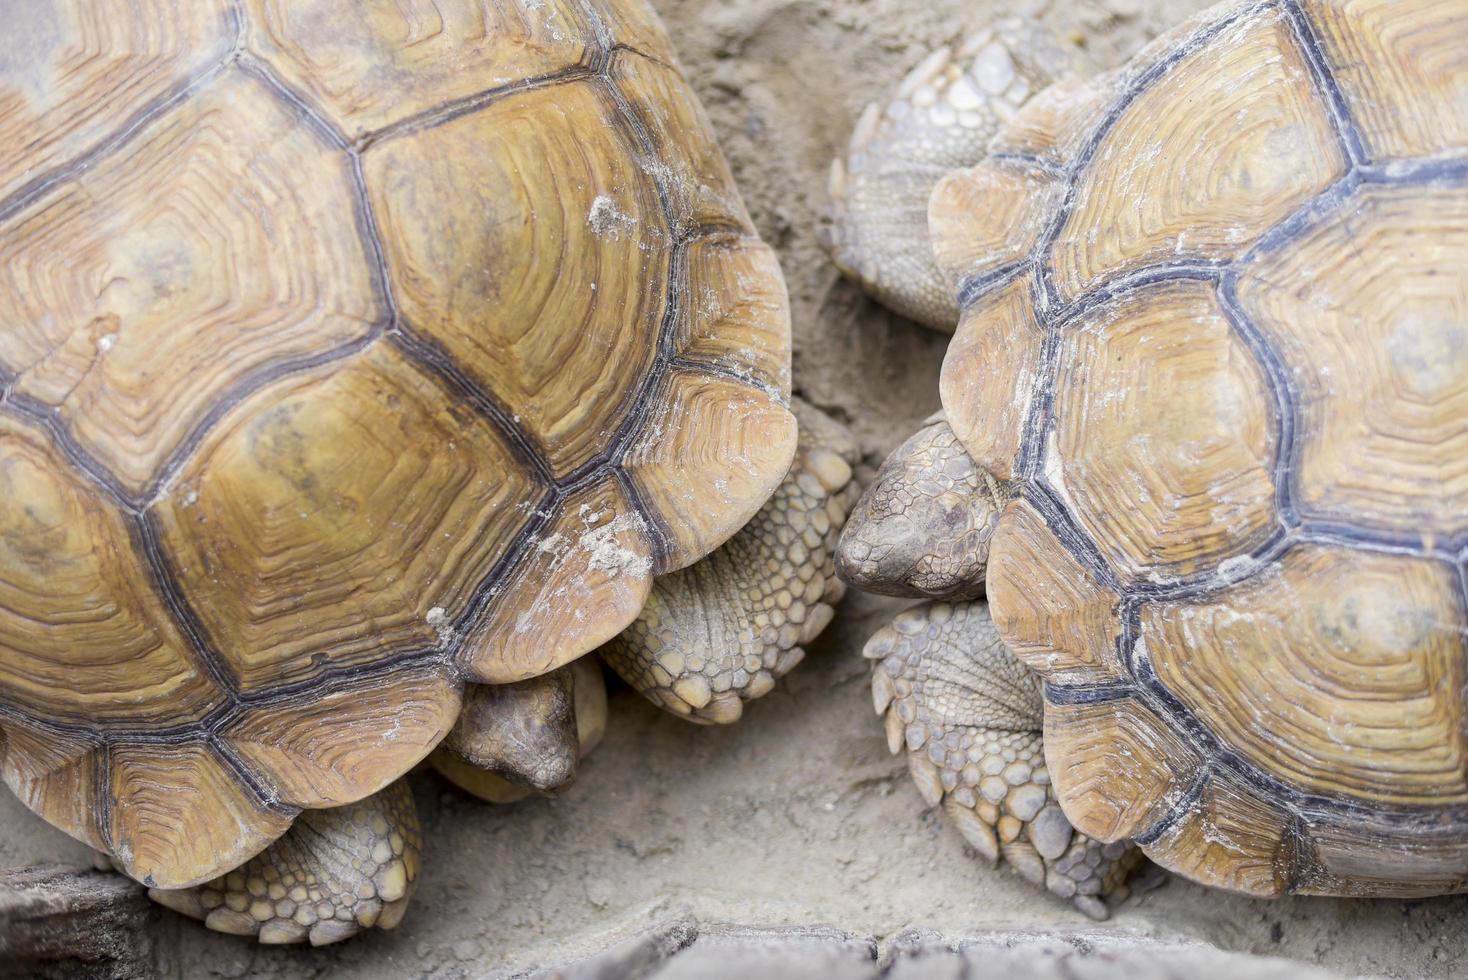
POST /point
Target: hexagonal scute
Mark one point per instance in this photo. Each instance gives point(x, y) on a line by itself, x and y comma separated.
point(217, 244)
point(74, 70)
point(1164, 436)
point(323, 750)
point(339, 517)
point(709, 455)
point(369, 66)
point(1222, 146)
point(582, 578)
point(1118, 768)
point(1339, 672)
point(1369, 310)
point(56, 775)
point(180, 813)
point(525, 240)
point(738, 320)
point(85, 637)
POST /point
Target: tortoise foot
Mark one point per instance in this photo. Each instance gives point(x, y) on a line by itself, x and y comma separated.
point(333, 874)
point(970, 716)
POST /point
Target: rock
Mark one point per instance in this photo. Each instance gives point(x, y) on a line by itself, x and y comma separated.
point(637, 957)
point(81, 925)
point(1079, 955)
point(735, 953)
point(682, 950)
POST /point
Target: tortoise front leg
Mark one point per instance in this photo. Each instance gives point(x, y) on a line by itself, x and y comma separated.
point(971, 715)
point(333, 874)
point(720, 632)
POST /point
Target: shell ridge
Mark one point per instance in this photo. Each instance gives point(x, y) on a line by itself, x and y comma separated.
point(428, 355)
point(447, 112)
point(653, 524)
point(262, 376)
point(248, 777)
point(1077, 543)
point(1200, 271)
point(1287, 447)
point(315, 119)
point(1178, 808)
point(1041, 416)
point(38, 187)
point(1327, 532)
point(94, 470)
point(1326, 84)
point(977, 287)
point(1070, 694)
point(164, 580)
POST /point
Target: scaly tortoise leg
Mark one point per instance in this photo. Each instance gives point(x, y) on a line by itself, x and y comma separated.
point(970, 715)
point(720, 632)
point(333, 874)
point(940, 119)
point(513, 740)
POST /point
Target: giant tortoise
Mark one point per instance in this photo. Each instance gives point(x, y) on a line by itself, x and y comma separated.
point(363, 366)
point(1205, 455)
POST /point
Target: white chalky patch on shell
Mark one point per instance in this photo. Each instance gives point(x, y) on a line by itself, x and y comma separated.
point(606, 552)
point(438, 619)
point(609, 221)
point(1237, 569)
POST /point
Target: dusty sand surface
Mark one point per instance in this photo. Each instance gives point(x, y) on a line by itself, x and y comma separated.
point(798, 815)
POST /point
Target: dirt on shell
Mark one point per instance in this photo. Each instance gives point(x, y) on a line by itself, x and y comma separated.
point(798, 815)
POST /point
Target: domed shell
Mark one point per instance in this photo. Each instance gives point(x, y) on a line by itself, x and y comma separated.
point(1215, 330)
point(347, 356)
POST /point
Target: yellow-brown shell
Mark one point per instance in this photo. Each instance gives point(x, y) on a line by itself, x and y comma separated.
point(1216, 330)
point(346, 353)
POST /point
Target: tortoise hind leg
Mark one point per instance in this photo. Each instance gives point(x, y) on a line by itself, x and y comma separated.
point(970, 715)
point(333, 874)
point(720, 632)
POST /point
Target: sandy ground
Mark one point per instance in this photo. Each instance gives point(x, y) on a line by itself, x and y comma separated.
point(797, 815)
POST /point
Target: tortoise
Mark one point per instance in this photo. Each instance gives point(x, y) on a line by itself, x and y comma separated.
point(1196, 494)
point(363, 371)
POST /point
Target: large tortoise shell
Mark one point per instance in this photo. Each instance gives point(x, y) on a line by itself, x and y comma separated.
point(347, 352)
point(1216, 331)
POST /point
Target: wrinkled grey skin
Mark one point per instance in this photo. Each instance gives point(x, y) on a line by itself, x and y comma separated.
point(524, 732)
